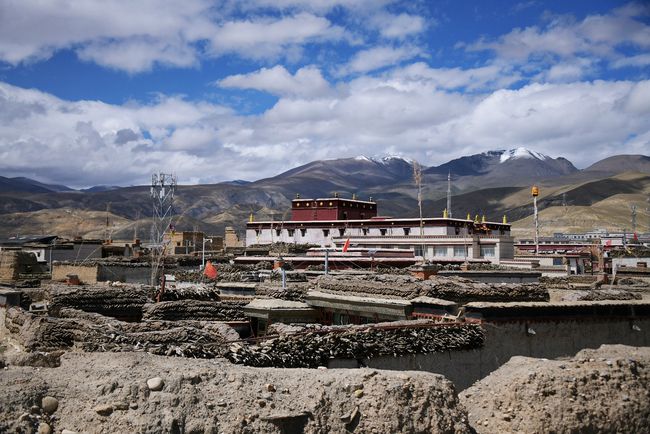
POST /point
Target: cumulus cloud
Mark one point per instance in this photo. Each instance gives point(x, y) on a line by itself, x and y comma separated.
point(400, 25)
point(610, 37)
point(406, 111)
point(306, 82)
point(268, 38)
point(379, 57)
point(135, 36)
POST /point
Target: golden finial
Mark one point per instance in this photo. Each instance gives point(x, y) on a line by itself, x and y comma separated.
point(250, 218)
point(476, 218)
point(445, 214)
point(505, 221)
point(483, 219)
point(469, 217)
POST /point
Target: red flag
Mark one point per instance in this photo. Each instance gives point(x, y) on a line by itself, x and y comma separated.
point(636, 238)
point(346, 246)
point(210, 270)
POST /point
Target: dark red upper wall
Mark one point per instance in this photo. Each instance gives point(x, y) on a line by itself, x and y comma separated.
point(332, 209)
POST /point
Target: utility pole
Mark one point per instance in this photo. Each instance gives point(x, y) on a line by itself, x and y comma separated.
point(633, 207)
point(417, 177)
point(449, 194)
point(535, 193)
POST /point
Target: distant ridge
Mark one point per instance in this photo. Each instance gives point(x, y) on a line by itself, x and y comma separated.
point(27, 185)
point(622, 163)
point(493, 183)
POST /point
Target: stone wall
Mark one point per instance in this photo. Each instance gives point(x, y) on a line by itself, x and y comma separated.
point(87, 273)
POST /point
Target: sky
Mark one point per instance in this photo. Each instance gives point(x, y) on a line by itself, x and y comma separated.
point(107, 92)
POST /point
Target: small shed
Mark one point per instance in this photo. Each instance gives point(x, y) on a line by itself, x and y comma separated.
point(266, 311)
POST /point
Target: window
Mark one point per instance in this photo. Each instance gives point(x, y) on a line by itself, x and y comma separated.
point(382, 231)
point(341, 232)
point(303, 232)
point(257, 232)
point(278, 232)
point(557, 261)
point(365, 231)
point(487, 251)
point(326, 232)
point(407, 231)
point(418, 250)
point(459, 251)
point(290, 232)
point(439, 251)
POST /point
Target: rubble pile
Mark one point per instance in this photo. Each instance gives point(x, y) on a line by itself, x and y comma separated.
point(194, 309)
point(603, 390)
point(142, 393)
point(601, 294)
point(314, 348)
point(463, 290)
point(123, 301)
point(92, 332)
point(293, 291)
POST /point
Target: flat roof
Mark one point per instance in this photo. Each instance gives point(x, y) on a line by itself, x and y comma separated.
point(376, 220)
point(276, 304)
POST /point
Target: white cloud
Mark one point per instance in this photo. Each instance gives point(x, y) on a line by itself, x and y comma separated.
point(306, 82)
point(412, 111)
point(267, 38)
point(399, 26)
point(135, 36)
point(638, 61)
point(378, 57)
point(597, 36)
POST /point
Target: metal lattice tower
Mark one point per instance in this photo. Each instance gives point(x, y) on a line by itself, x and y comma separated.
point(163, 186)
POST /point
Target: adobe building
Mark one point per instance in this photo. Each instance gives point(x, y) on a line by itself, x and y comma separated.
point(330, 222)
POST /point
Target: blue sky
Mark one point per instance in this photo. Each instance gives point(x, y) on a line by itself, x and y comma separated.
point(219, 90)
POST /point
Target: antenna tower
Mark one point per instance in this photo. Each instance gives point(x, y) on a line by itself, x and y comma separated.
point(163, 186)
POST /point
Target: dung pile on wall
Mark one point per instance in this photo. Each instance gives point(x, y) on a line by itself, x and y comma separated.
point(384, 285)
point(195, 309)
point(293, 292)
point(75, 329)
point(451, 288)
point(315, 347)
point(123, 301)
point(463, 290)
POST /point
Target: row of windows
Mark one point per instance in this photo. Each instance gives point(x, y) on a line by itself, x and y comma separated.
point(344, 204)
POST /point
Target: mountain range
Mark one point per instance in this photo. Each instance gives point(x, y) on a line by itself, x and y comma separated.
point(493, 183)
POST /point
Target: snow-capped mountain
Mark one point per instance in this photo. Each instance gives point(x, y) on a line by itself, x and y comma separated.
point(514, 165)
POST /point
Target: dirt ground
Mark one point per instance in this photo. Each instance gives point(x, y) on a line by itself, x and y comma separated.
point(109, 393)
point(603, 390)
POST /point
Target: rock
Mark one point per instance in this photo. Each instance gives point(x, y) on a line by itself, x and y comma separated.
point(269, 387)
point(358, 393)
point(133, 406)
point(104, 409)
point(49, 404)
point(44, 428)
point(261, 403)
point(121, 406)
point(35, 409)
point(155, 384)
